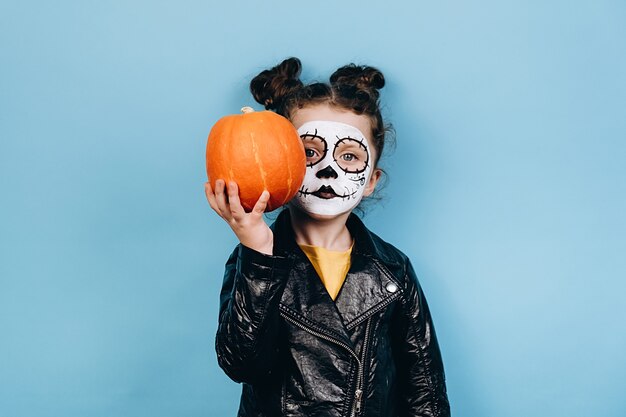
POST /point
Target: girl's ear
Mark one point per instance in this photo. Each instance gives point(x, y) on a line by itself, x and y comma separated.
point(371, 184)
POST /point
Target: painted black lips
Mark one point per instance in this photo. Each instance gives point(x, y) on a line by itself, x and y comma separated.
point(326, 192)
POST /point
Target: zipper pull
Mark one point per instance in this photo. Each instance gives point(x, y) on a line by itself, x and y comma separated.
point(357, 399)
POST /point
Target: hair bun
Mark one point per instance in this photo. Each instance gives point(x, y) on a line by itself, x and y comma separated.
point(272, 86)
point(364, 78)
point(359, 83)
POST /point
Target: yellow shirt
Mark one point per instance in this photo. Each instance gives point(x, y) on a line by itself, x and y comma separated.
point(331, 266)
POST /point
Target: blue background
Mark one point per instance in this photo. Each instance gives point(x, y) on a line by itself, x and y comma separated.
point(507, 190)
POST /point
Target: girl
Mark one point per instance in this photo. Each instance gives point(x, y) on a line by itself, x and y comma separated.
point(318, 315)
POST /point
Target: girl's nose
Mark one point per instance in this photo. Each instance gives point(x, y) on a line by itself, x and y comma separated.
point(327, 172)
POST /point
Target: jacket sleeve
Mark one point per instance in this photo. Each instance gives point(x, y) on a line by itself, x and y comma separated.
point(421, 379)
point(246, 341)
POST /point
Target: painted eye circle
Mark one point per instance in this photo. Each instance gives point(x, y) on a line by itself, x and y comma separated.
point(351, 155)
point(315, 148)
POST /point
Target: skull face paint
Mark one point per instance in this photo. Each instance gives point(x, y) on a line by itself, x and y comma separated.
point(338, 167)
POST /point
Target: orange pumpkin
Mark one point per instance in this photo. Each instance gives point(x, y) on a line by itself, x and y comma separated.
point(259, 151)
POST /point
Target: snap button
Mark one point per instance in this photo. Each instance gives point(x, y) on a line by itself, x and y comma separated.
point(391, 287)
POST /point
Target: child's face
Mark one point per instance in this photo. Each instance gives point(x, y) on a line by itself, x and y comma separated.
point(340, 158)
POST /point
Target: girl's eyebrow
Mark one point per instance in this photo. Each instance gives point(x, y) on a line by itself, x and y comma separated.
point(351, 141)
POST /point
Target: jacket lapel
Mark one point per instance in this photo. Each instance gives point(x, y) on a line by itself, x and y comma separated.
point(366, 289)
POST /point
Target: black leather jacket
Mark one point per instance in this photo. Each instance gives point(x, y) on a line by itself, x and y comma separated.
point(372, 352)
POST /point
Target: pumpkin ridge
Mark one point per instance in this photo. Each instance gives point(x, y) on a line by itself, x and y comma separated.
point(290, 179)
point(228, 147)
point(257, 159)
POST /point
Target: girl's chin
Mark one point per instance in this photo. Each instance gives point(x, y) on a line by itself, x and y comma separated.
point(298, 210)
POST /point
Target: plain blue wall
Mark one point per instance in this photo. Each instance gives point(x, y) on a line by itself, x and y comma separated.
point(507, 190)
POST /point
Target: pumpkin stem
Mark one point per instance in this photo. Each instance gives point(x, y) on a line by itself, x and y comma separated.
point(247, 109)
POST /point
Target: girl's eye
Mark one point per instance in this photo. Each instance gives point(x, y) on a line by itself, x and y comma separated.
point(315, 148)
point(351, 155)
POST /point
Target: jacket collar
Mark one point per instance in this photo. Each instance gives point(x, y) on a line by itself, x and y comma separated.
point(365, 242)
point(364, 291)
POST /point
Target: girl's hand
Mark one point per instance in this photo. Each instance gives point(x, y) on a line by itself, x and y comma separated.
point(250, 228)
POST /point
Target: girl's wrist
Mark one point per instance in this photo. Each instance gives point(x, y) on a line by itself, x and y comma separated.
point(266, 249)
point(265, 246)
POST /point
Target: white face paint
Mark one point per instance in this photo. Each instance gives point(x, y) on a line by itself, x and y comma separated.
point(338, 167)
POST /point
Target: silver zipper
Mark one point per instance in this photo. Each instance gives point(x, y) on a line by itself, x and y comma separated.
point(358, 394)
point(359, 391)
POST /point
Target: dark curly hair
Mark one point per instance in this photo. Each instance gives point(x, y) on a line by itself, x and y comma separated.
point(352, 87)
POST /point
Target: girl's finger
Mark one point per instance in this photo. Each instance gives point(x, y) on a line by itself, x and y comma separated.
point(220, 198)
point(233, 198)
point(210, 196)
point(261, 204)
